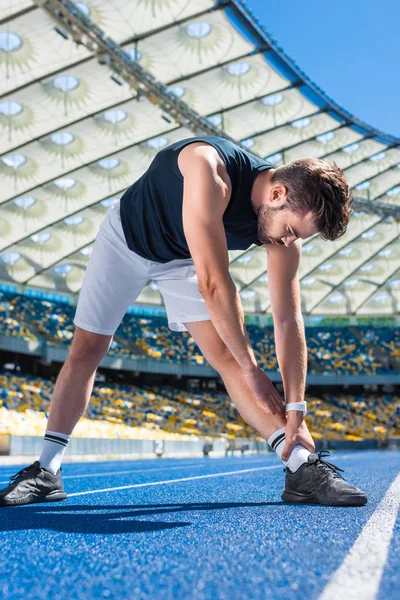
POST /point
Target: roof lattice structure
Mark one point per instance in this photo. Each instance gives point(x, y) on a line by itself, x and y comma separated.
point(79, 124)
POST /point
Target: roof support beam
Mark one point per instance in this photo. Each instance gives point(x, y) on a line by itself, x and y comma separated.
point(19, 13)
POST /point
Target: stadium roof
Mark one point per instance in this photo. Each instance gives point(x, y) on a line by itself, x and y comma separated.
point(91, 91)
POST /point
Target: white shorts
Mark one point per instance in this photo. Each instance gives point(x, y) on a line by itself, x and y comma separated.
point(115, 277)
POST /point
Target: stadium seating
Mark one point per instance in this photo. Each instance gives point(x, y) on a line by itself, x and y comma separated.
point(165, 412)
point(9, 325)
point(341, 351)
point(331, 350)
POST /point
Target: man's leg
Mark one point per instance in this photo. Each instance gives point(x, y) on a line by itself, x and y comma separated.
point(271, 427)
point(309, 479)
point(74, 383)
point(114, 278)
point(41, 481)
point(221, 359)
point(71, 394)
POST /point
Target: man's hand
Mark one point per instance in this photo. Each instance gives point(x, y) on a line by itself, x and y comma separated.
point(296, 432)
point(263, 388)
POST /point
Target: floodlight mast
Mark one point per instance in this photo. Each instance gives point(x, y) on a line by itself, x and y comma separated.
point(84, 31)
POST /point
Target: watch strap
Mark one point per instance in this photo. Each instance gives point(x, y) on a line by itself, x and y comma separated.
point(302, 406)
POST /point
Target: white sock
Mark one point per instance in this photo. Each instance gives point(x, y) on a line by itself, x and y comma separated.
point(298, 456)
point(54, 447)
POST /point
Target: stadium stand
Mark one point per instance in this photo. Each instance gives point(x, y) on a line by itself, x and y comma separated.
point(165, 412)
point(331, 350)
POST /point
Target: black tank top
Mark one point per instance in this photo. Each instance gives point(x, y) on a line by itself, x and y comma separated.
point(151, 209)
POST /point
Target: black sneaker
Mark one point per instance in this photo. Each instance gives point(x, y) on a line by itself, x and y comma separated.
point(317, 482)
point(33, 484)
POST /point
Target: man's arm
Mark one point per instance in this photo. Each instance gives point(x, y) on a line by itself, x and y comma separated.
point(290, 341)
point(206, 194)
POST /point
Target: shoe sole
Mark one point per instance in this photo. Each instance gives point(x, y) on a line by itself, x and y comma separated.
point(353, 500)
point(54, 496)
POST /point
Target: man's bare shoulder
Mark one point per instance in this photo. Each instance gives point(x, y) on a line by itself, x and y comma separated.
point(197, 152)
point(197, 149)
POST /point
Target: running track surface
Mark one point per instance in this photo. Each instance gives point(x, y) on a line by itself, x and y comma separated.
point(203, 529)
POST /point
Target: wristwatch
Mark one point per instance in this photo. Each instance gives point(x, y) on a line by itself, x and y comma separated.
point(302, 406)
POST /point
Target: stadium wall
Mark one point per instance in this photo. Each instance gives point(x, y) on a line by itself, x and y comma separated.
point(85, 449)
point(12, 445)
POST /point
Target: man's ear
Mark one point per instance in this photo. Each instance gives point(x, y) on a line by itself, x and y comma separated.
point(278, 192)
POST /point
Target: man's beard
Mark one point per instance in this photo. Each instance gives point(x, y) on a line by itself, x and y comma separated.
point(265, 218)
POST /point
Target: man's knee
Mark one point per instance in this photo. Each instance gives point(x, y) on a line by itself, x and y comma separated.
point(88, 346)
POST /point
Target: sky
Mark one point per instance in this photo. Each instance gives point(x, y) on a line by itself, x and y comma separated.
point(349, 48)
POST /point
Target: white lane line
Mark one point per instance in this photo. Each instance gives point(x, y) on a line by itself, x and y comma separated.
point(137, 485)
point(134, 471)
point(359, 576)
point(111, 473)
point(130, 472)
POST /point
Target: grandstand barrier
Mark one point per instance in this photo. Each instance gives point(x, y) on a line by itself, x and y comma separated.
point(389, 444)
point(13, 445)
point(393, 444)
point(14, 344)
point(348, 445)
point(51, 354)
point(145, 365)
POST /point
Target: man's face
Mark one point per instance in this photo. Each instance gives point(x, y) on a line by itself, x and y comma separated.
point(282, 226)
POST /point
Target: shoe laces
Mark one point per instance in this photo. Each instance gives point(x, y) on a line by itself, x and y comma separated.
point(21, 473)
point(324, 464)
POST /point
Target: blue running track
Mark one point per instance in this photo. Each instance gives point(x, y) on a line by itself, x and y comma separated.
point(197, 529)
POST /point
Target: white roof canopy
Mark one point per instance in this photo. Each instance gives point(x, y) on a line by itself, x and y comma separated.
point(74, 136)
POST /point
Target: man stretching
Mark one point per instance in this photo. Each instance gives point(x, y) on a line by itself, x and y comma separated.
point(199, 198)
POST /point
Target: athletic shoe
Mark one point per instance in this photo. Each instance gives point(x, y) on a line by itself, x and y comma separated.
point(318, 482)
point(33, 484)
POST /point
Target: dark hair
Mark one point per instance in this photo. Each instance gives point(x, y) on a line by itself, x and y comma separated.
point(321, 187)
